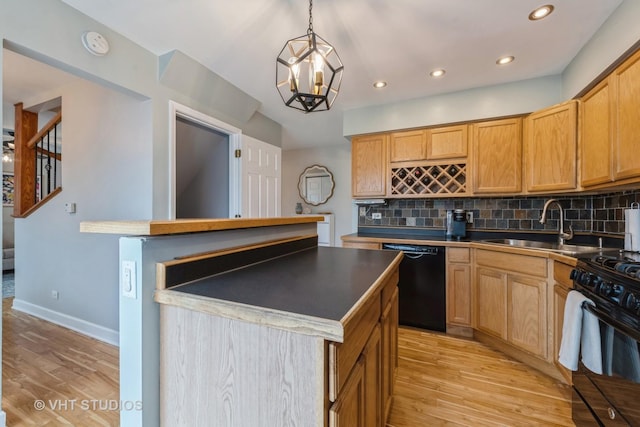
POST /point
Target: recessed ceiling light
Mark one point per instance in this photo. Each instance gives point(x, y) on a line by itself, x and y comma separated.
point(541, 12)
point(379, 85)
point(437, 73)
point(505, 60)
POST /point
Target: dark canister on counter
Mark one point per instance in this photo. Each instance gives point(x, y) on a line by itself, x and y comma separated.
point(459, 224)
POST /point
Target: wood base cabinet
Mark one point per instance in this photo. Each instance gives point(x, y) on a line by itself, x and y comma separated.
point(561, 286)
point(511, 299)
point(458, 295)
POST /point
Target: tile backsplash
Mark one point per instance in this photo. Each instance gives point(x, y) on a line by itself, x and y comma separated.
point(602, 213)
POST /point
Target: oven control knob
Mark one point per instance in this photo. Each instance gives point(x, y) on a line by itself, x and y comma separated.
point(585, 279)
point(606, 289)
point(574, 274)
point(631, 302)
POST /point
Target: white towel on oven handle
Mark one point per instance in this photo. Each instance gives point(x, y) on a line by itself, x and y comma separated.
point(580, 329)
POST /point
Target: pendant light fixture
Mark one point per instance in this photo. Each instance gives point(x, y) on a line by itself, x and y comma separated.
point(308, 72)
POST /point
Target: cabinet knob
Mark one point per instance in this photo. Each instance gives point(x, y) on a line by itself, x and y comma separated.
point(612, 413)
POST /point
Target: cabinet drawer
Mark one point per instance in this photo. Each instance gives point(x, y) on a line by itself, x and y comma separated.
point(343, 356)
point(530, 265)
point(458, 255)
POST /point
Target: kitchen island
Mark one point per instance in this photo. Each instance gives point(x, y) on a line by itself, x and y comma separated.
point(303, 335)
point(336, 339)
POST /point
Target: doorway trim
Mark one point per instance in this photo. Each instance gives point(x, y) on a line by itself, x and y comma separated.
point(235, 137)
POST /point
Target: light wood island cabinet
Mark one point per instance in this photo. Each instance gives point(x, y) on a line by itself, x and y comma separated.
point(497, 156)
point(369, 165)
point(237, 351)
point(550, 148)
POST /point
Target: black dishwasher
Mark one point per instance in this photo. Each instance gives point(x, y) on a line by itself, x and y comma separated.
point(422, 286)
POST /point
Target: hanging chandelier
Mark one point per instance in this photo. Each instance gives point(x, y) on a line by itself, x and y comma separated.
point(308, 72)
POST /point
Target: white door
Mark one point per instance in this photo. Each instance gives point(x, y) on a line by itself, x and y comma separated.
point(260, 176)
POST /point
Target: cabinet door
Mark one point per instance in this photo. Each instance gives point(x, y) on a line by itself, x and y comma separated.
point(369, 165)
point(527, 314)
point(559, 299)
point(389, 322)
point(627, 119)
point(596, 134)
point(348, 409)
point(497, 156)
point(447, 142)
point(459, 294)
point(372, 355)
point(491, 302)
point(407, 146)
point(550, 148)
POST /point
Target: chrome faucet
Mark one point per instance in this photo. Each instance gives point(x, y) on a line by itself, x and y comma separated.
point(562, 236)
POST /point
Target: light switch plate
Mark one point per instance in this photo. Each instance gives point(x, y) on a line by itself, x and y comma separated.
point(128, 279)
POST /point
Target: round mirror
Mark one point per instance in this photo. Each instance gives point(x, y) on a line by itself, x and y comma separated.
point(316, 185)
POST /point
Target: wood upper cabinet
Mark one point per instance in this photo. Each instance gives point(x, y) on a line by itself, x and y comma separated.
point(369, 165)
point(550, 148)
point(626, 83)
point(407, 146)
point(596, 134)
point(448, 142)
point(497, 156)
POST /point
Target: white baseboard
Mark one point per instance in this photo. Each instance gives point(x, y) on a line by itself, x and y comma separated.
point(82, 326)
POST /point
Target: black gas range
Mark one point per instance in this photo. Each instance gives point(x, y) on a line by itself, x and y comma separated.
point(612, 283)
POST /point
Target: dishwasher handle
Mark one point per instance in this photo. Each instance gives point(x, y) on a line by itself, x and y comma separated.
point(413, 251)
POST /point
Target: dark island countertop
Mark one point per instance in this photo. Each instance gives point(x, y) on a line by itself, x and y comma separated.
point(312, 291)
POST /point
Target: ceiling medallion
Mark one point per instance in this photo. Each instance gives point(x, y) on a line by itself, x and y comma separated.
point(308, 72)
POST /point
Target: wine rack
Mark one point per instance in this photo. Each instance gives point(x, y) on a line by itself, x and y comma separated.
point(432, 179)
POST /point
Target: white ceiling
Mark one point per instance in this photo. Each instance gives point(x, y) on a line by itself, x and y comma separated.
point(399, 41)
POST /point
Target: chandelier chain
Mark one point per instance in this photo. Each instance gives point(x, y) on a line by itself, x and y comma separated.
point(310, 30)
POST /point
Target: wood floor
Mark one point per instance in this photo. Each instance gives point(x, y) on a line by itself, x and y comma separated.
point(445, 381)
point(442, 381)
point(43, 361)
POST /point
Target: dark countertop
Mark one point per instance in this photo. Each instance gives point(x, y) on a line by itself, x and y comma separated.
point(437, 235)
point(321, 282)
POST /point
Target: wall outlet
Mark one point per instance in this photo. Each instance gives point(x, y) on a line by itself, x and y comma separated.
point(376, 215)
point(363, 211)
point(128, 279)
point(54, 294)
point(469, 217)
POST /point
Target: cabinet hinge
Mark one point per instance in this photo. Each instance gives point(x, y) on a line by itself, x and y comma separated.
point(238, 153)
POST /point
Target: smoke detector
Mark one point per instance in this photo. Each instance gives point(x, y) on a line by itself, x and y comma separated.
point(95, 43)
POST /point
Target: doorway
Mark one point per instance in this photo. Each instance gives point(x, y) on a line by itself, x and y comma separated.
point(204, 176)
point(202, 171)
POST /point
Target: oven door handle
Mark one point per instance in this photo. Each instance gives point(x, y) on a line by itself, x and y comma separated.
point(604, 317)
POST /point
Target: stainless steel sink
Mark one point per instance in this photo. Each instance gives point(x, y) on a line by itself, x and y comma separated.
point(548, 246)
